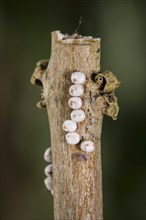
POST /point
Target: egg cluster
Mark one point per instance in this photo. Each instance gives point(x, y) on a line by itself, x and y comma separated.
point(77, 115)
point(70, 126)
point(48, 170)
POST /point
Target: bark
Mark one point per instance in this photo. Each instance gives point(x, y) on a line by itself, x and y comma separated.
point(77, 175)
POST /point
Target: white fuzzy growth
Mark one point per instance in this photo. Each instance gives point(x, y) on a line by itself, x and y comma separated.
point(69, 126)
point(72, 138)
point(48, 155)
point(75, 102)
point(48, 170)
point(78, 77)
point(49, 183)
point(76, 90)
point(78, 115)
point(87, 146)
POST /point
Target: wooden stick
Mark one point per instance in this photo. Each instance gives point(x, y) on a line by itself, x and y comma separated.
point(77, 175)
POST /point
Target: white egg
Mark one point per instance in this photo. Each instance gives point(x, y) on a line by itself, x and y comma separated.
point(72, 138)
point(69, 126)
point(76, 90)
point(87, 146)
point(75, 102)
point(48, 155)
point(49, 183)
point(48, 170)
point(78, 115)
point(78, 77)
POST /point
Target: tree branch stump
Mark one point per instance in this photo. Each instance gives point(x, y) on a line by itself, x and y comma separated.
point(77, 175)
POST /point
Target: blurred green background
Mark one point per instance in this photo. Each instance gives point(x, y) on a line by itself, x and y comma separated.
point(25, 38)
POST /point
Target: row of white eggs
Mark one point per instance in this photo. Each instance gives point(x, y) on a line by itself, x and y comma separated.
point(70, 126)
point(77, 115)
point(48, 170)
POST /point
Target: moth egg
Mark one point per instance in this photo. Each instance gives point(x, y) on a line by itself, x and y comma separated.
point(48, 170)
point(48, 155)
point(76, 90)
point(49, 183)
point(72, 138)
point(78, 77)
point(69, 126)
point(78, 115)
point(75, 102)
point(87, 146)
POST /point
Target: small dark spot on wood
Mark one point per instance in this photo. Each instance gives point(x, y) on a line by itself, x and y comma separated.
point(98, 50)
point(84, 156)
point(38, 82)
point(103, 84)
point(93, 77)
point(79, 157)
point(44, 65)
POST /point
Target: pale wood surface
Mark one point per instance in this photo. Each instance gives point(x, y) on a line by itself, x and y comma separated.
point(77, 176)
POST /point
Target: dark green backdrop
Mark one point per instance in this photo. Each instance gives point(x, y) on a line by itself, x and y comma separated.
point(25, 38)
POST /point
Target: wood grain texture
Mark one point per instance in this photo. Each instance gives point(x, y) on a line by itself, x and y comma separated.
point(77, 176)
